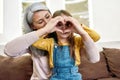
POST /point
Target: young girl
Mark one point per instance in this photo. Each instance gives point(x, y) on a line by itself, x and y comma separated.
point(64, 47)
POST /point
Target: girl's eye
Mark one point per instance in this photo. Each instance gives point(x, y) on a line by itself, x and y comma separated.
point(59, 24)
point(68, 24)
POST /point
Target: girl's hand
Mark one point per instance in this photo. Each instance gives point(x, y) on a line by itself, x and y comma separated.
point(76, 27)
point(51, 25)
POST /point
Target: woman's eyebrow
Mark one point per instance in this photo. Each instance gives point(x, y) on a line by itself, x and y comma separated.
point(46, 14)
point(41, 18)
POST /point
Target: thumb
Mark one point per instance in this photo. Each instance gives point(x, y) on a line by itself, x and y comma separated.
point(59, 30)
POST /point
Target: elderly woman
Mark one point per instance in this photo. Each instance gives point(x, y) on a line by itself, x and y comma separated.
point(36, 16)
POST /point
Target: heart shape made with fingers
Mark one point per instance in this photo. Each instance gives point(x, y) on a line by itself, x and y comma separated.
point(65, 25)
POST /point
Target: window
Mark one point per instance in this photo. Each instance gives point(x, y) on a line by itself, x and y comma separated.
point(79, 10)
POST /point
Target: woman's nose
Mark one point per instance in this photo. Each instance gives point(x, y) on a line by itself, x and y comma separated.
point(46, 21)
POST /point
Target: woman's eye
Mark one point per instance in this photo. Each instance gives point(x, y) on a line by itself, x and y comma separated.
point(40, 22)
point(47, 16)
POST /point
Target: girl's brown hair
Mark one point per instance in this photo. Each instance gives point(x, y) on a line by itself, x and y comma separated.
point(71, 37)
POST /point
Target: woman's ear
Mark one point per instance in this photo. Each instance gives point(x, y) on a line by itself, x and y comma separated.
point(32, 27)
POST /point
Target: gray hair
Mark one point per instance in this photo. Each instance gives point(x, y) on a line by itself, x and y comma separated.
point(27, 20)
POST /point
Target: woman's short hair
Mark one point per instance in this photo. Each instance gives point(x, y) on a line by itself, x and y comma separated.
point(28, 14)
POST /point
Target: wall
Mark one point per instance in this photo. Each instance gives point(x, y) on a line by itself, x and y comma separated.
point(106, 19)
point(55, 5)
point(1, 16)
point(11, 20)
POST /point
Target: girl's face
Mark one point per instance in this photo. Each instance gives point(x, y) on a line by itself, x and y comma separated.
point(40, 19)
point(64, 29)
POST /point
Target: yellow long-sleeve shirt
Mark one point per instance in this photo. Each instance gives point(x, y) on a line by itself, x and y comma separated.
point(48, 45)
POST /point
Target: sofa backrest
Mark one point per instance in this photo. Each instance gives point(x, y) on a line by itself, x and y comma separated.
point(93, 71)
point(108, 66)
point(19, 68)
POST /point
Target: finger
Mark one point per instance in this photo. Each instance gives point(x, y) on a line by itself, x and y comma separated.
point(68, 30)
point(59, 19)
point(69, 21)
point(58, 30)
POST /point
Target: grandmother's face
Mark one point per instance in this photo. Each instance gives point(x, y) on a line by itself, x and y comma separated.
point(40, 19)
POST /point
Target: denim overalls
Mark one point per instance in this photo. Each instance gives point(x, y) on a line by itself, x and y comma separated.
point(64, 65)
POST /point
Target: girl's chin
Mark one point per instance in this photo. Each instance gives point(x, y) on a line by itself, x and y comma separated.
point(64, 36)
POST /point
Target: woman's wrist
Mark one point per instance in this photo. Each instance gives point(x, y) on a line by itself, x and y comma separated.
point(41, 32)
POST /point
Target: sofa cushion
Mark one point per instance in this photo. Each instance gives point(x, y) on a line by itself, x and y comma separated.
point(91, 71)
point(109, 79)
point(19, 68)
point(113, 58)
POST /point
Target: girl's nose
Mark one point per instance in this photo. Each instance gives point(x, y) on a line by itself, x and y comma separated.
point(64, 27)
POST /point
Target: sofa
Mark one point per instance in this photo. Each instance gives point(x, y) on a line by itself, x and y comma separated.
point(108, 68)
